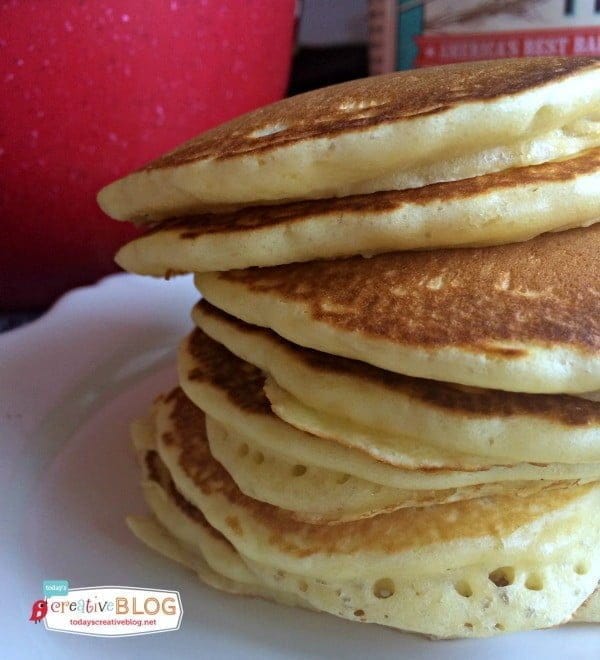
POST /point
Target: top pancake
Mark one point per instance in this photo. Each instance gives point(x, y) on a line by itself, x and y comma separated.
point(520, 317)
point(352, 133)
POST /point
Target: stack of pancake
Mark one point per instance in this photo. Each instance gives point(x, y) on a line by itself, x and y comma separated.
point(389, 407)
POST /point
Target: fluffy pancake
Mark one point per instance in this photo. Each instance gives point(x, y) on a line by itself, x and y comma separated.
point(310, 493)
point(519, 317)
point(524, 427)
point(497, 208)
point(231, 391)
point(505, 563)
point(174, 512)
point(149, 530)
point(406, 129)
point(393, 448)
point(180, 531)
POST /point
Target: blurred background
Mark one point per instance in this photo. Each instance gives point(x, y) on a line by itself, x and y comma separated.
point(92, 89)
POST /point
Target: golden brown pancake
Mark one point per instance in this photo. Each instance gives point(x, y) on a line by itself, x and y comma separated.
point(231, 391)
point(520, 317)
point(402, 130)
point(503, 514)
point(548, 197)
point(573, 412)
point(526, 427)
point(308, 492)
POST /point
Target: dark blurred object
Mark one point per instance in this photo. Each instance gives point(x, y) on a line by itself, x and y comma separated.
point(321, 66)
point(14, 320)
point(92, 89)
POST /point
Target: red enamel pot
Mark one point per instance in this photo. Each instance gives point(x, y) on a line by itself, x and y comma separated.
point(92, 89)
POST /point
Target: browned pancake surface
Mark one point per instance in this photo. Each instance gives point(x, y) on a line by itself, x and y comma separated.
point(545, 291)
point(395, 97)
point(566, 410)
point(158, 472)
point(242, 381)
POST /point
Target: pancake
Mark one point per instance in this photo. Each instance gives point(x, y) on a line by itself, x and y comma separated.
point(461, 599)
point(504, 207)
point(310, 493)
point(504, 563)
point(392, 448)
point(181, 532)
point(150, 532)
point(319, 495)
point(523, 427)
point(521, 317)
point(173, 512)
point(231, 391)
point(406, 129)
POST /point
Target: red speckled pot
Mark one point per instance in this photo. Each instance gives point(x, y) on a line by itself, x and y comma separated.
point(92, 89)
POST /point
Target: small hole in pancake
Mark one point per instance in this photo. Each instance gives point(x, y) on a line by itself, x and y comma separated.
point(243, 450)
point(359, 612)
point(298, 470)
point(469, 626)
point(463, 588)
point(302, 586)
point(499, 626)
point(581, 568)
point(259, 457)
point(343, 479)
point(384, 588)
point(534, 582)
point(502, 577)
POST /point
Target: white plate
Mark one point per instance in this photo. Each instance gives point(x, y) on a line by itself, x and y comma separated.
point(69, 385)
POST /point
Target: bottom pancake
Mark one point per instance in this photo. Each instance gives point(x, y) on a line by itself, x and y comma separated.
point(469, 569)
